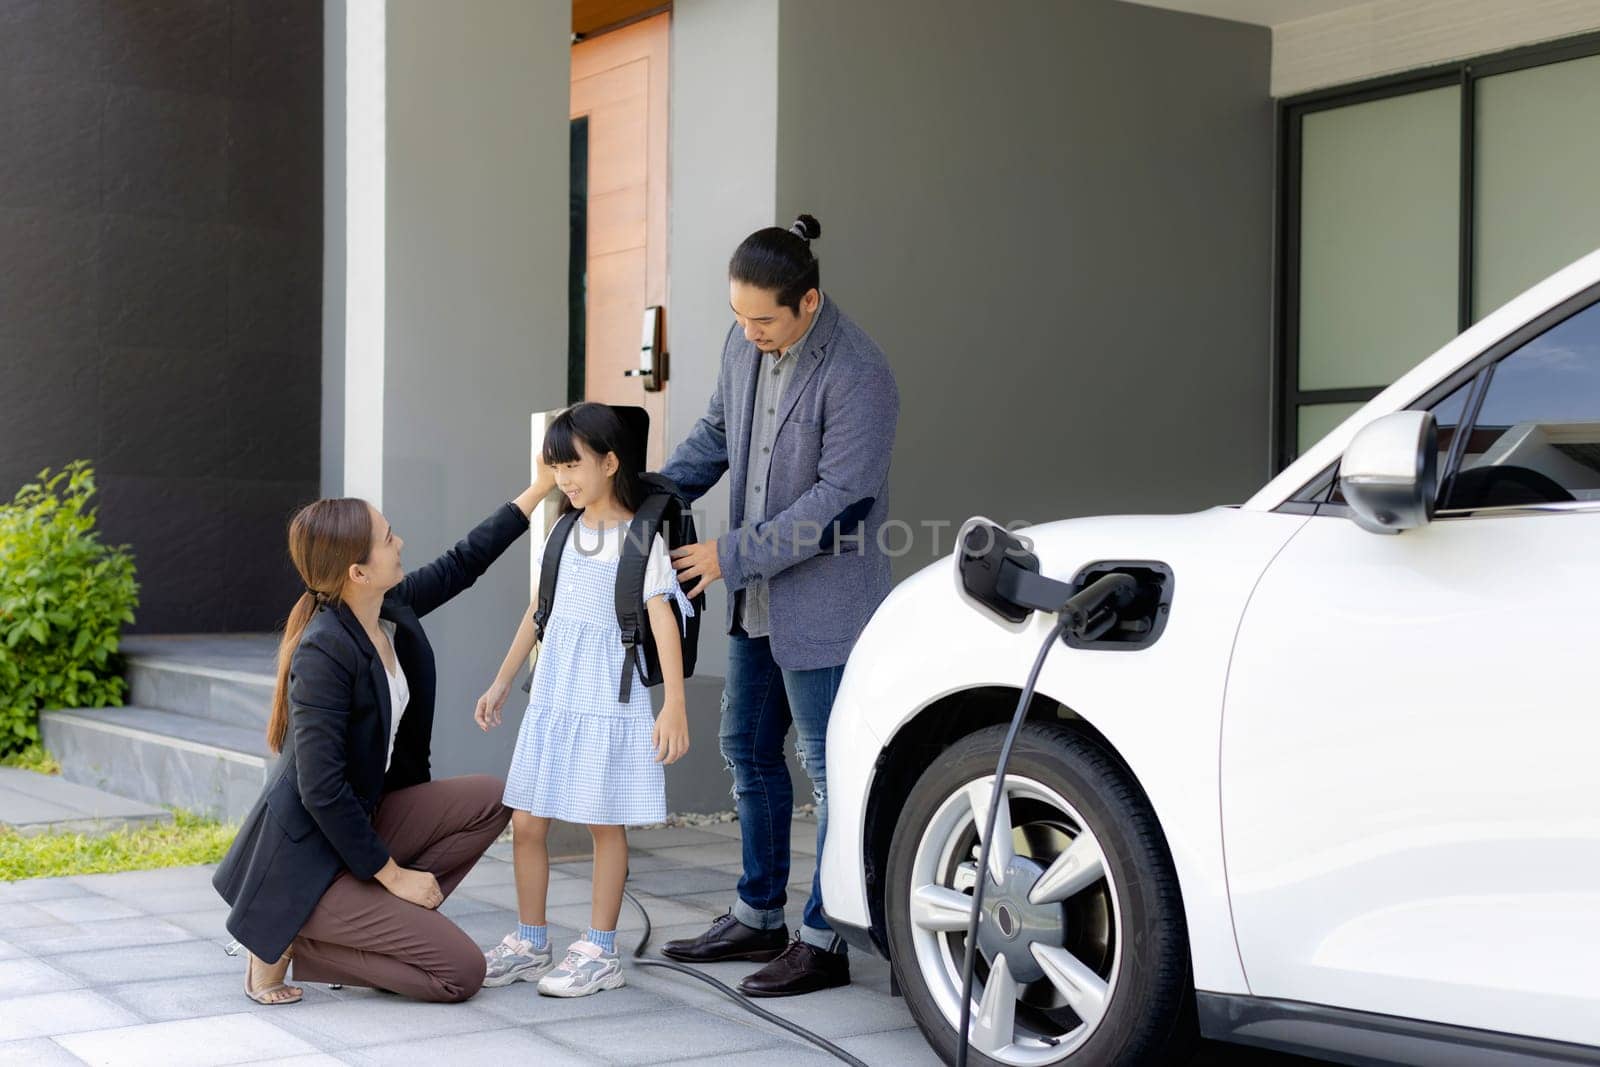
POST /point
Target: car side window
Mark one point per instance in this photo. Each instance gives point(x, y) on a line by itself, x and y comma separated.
point(1536, 438)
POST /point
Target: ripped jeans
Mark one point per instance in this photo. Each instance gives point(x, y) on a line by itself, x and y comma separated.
point(759, 700)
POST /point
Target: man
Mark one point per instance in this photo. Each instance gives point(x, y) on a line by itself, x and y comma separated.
point(803, 416)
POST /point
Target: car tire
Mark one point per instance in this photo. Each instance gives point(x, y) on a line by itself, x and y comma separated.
point(1124, 929)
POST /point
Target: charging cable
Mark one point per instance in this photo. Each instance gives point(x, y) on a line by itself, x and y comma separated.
point(1081, 612)
point(640, 959)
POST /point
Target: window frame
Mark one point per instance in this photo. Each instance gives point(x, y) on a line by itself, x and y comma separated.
point(1288, 397)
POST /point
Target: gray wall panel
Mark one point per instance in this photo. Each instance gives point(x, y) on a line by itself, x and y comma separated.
point(1056, 220)
point(476, 314)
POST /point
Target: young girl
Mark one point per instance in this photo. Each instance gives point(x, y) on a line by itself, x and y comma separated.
point(581, 756)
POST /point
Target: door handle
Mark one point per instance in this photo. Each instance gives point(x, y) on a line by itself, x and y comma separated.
point(652, 351)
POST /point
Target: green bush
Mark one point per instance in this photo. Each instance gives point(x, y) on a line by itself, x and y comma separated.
point(64, 597)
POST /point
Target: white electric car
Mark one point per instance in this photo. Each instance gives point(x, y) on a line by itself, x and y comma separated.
point(1330, 785)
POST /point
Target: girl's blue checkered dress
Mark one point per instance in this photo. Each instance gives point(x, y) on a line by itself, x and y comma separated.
point(581, 756)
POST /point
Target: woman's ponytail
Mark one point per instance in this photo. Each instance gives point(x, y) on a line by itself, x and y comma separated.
point(278, 724)
point(326, 539)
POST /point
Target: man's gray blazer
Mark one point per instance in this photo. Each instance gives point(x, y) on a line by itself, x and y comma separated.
point(816, 541)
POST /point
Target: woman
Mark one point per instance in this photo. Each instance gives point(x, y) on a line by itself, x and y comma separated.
point(342, 860)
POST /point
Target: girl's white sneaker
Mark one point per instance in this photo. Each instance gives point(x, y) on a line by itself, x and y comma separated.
point(515, 960)
point(587, 969)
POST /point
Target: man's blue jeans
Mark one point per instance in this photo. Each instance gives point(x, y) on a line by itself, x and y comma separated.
point(759, 701)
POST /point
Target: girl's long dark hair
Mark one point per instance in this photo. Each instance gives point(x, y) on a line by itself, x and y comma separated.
point(325, 539)
point(602, 431)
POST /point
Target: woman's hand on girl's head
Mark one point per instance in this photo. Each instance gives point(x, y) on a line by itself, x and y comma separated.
point(544, 483)
point(671, 734)
point(487, 713)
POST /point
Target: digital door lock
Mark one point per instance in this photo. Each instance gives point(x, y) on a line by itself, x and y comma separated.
point(652, 351)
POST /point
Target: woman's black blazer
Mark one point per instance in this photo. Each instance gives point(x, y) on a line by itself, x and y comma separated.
point(314, 818)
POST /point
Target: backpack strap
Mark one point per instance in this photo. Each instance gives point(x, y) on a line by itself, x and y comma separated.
point(631, 566)
point(549, 570)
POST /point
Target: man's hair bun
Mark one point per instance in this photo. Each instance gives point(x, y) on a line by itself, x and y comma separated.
point(807, 228)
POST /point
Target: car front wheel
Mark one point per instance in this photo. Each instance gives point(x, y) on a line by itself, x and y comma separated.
point(1082, 950)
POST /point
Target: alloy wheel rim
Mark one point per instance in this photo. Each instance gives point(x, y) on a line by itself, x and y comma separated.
point(1048, 940)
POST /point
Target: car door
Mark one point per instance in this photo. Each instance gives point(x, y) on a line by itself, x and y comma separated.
point(1411, 736)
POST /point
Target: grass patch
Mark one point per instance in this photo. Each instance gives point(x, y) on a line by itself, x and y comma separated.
point(188, 840)
point(32, 758)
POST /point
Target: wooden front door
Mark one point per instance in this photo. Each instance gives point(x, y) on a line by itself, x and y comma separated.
point(619, 83)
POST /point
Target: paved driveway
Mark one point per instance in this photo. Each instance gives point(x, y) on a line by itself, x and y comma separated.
point(129, 969)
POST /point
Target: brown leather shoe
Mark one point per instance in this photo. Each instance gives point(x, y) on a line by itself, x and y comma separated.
point(800, 969)
point(727, 939)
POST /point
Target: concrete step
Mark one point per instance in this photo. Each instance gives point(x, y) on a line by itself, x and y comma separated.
point(33, 803)
point(227, 678)
point(161, 757)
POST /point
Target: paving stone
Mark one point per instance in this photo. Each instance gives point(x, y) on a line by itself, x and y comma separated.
point(903, 1048)
point(36, 1052)
point(562, 891)
point(521, 1005)
point(177, 959)
point(199, 995)
point(486, 874)
point(800, 1056)
point(638, 862)
point(87, 908)
point(222, 1039)
point(670, 836)
point(497, 1046)
point(35, 889)
point(681, 881)
point(842, 1012)
point(175, 901)
point(713, 904)
point(23, 977)
point(688, 992)
point(14, 918)
point(658, 1036)
point(338, 1024)
point(51, 1014)
point(662, 912)
point(130, 885)
point(59, 938)
point(207, 924)
point(733, 829)
point(459, 905)
point(702, 855)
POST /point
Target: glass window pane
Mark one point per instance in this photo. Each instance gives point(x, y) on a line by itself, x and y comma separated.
point(1537, 435)
point(1380, 237)
point(1538, 156)
point(1316, 420)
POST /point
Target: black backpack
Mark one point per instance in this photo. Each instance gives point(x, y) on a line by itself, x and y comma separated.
point(664, 511)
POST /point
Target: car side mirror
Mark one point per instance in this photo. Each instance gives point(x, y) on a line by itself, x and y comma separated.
point(1390, 472)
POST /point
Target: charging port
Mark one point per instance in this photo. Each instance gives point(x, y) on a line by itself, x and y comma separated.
point(1138, 625)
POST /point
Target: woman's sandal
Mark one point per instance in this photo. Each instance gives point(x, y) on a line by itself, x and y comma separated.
point(274, 994)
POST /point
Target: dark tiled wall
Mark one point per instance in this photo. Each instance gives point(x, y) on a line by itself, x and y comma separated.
point(160, 282)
